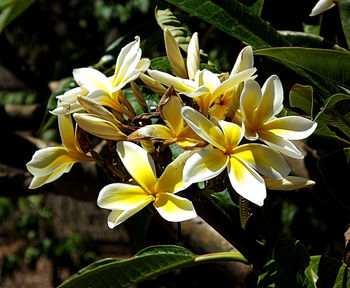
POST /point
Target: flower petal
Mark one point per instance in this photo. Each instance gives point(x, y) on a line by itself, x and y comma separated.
point(65, 125)
point(245, 60)
point(92, 79)
point(139, 164)
point(289, 183)
point(250, 100)
point(172, 178)
point(232, 81)
point(174, 54)
point(99, 127)
point(126, 63)
point(291, 127)
point(272, 100)
point(247, 183)
point(171, 113)
point(204, 127)
point(193, 59)
point(280, 144)
point(155, 131)
point(322, 6)
point(121, 196)
point(117, 217)
point(179, 84)
point(47, 160)
point(233, 134)
point(174, 208)
point(39, 181)
point(263, 159)
point(204, 165)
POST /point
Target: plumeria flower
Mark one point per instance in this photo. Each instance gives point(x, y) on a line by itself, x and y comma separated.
point(176, 129)
point(127, 199)
point(229, 101)
point(322, 6)
point(202, 85)
point(50, 163)
point(205, 88)
point(259, 106)
point(242, 161)
point(102, 89)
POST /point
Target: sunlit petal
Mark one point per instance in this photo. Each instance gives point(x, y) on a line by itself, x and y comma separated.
point(179, 84)
point(247, 183)
point(126, 63)
point(143, 64)
point(272, 99)
point(291, 127)
point(39, 181)
point(193, 59)
point(171, 113)
point(250, 99)
point(117, 217)
point(155, 131)
point(139, 164)
point(245, 60)
point(204, 165)
point(289, 183)
point(121, 196)
point(322, 6)
point(174, 54)
point(154, 85)
point(92, 79)
point(204, 127)
point(99, 127)
point(233, 134)
point(280, 144)
point(172, 178)
point(263, 159)
point(65, 125)
point(46, 160)
point(174, 208)
point(232, 81)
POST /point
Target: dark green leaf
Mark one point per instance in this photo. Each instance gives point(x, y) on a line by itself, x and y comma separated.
point(10, 10)
point(287, 266)
point(336, 113)
point(161, 64)
point(301, 97)
point(302, 39)
point(332, 66)
point(236, 19)
point(255, 6)
point(344, 10)
point(147, 263)
point(167, 19)
point(326, 272)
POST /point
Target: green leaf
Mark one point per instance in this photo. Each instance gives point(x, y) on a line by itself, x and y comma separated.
point(167, 19)
point(150, 262)
point(344, 11)
point(336, 113)
point(255, 6)
point(11, 9)
point(326, 272)
point(236, 19)
point(287, 266)
point(332, 66)
point(301, 97)
point(302, 39)
point(161, 64)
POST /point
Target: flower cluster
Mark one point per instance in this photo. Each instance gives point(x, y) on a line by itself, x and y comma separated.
point(219, 120)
